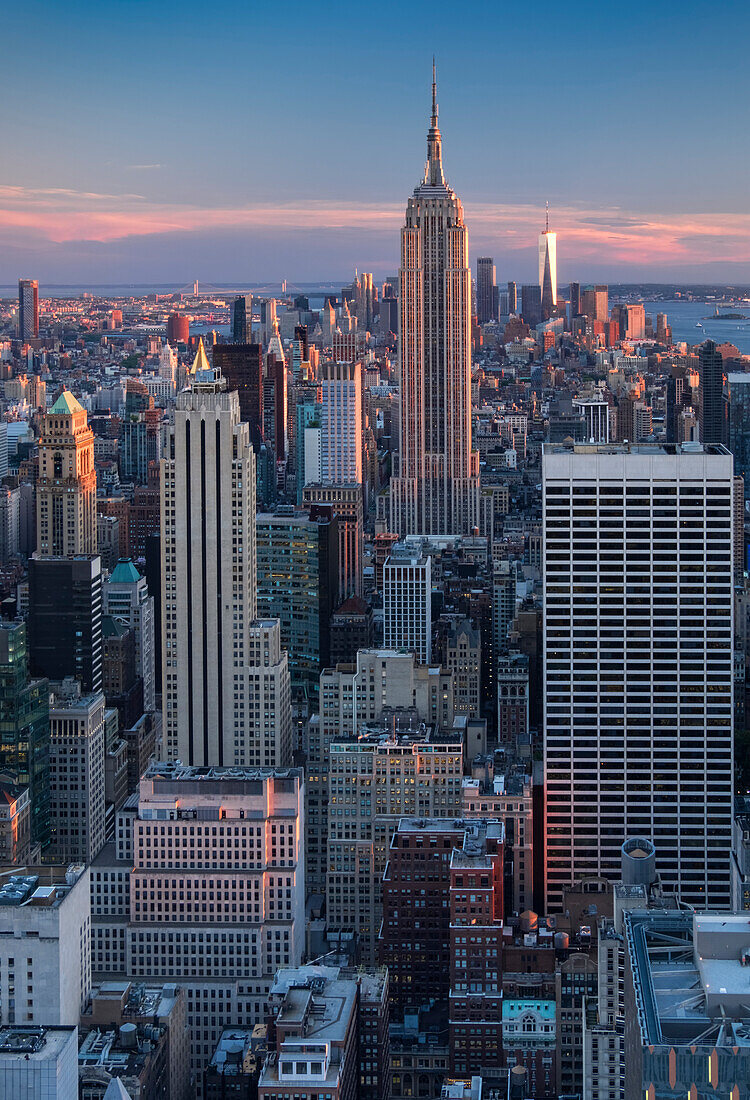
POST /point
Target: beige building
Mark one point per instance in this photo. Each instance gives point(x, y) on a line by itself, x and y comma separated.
point(268, 699)
point(507, 797)
point(381, 684)
point(208, 573)
point(463, 657)
point(76, 774)
point(436, 488)
point(374, 782)
point(66, 483)
point(216, 891)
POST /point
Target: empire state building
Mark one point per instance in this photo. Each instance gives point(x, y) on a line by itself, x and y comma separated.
point(436, 491)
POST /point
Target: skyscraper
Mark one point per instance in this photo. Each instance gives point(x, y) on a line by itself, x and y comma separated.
point(242, 319)
point(241, 365)
point(486, 290)
point(28, 308)
point(638, 663)
point(512, 297)
point(65, 619)
point(208, 572)
point(437, 487)
point(712, 405)
point(66, 485)
point(24, 711)
point(548, 269)
point(341, 423)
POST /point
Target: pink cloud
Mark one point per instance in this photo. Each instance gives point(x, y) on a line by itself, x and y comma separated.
point(61, 215)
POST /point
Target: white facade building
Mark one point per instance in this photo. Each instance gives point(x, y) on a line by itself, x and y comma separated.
point(638, 652)
point(208, 572)
point(268, 698)
point(45, 947)
point(39, 1063)
point(596, 416)
point(340, 424)
point(407, 601)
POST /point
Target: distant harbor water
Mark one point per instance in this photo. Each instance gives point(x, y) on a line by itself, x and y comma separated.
point(685, 316)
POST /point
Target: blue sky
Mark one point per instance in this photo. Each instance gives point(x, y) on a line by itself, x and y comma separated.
point(164, 141)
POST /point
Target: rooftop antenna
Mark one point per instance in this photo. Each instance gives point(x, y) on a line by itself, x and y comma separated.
point(546, 227)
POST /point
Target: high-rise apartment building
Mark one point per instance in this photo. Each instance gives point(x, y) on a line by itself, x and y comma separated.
point(436, 490)
point(341, 423)
point(407, 601)
point(486, 290)
point(374, 781)
point(638, 657)
point(346, 504)
point(268, 703)
point(595, 302)
point(208, 572)
point(66, 482)
point(126, 598)
point(24, 706)
point(531, 304)
point(379, 686)
point(713, 411)
point(28, 309)
point(76, 763)
point(242, 319)
point(548, 269)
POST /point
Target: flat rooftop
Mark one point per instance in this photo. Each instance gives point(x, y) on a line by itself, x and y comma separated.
point(32, 1044)
point(649, 449)
point(691, 985)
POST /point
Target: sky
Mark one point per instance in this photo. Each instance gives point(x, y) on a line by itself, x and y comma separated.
point(157, 142)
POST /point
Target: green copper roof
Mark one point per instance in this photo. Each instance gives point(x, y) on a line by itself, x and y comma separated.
point(66, 403)
point(125, 572)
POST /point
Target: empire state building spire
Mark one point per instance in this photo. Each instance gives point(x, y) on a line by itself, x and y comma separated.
point(435, 490)
point(434, 170)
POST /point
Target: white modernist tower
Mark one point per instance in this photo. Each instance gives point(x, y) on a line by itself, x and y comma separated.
point(437, 487)
point(548, 268)
point(208, 573)
point(638, 663)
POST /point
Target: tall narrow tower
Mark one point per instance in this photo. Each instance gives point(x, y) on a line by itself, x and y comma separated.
point(436, 490)
point(208, 573)
point(66, 486)
point(548, 269)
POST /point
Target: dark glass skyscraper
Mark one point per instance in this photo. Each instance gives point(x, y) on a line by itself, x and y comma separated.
point(712, 403)
point(486, 290)
point(242, 319)
point(241, 365)
point(28, 308)
point(24, 726)
point(65, 619)
point(531, 304)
